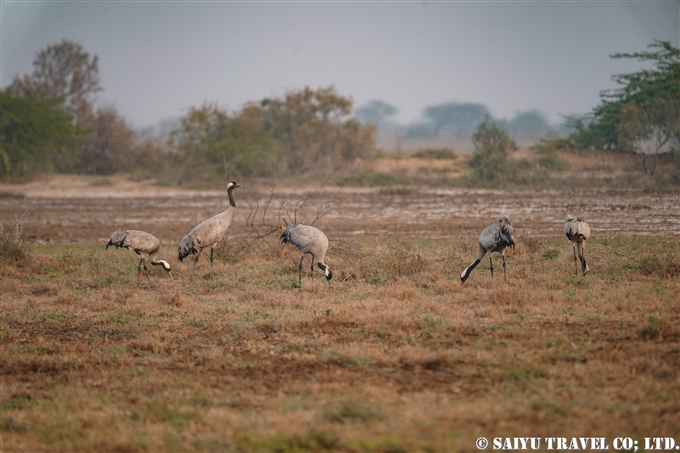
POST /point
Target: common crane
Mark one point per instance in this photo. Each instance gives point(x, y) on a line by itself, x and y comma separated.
point(494, 238)
point(209, 232)
point(577, 231)
point(308, 239)
point(143, 244)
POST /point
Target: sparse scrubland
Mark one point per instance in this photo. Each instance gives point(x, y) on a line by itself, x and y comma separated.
point(396, 356)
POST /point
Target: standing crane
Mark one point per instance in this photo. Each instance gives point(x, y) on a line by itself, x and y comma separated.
point(143, 244)
point(494, 238)
point(577, 231)
point(209, 232)
point(308, 239)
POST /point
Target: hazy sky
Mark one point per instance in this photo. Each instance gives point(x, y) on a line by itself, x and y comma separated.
point(158, 58)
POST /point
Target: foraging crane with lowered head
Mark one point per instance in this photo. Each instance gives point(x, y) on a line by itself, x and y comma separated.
point(308, 239)
point(209, 232)
point(494, 238)
point(577, 231)
point(143, 244)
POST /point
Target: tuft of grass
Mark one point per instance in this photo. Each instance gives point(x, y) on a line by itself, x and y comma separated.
point(353, 411)
point(17, 401)
point(524, 373)
point(552, 162)
point(435, 153)
point(550, 254)
point(664, 265)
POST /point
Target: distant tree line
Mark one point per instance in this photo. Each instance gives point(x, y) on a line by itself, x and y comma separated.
point(50, 121)
point(458, 120)
point(306, 129)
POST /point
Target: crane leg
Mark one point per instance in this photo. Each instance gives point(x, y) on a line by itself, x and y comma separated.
point(196, 261)
point(504, 275)
point(212, 250)
point(311, 272)
point(582, 255)
point(139, 269)
point(300, 271)
point(491, 264)
point(575, 262)
point(146, 271)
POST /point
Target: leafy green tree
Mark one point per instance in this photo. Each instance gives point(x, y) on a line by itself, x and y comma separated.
point(645, 88)
point(313, 129)
point(210, 137)
point(34, 133)
point(67, 71)
point(491, 158)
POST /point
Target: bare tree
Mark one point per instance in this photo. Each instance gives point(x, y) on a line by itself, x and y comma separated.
point(647, 130)
point(281, 207)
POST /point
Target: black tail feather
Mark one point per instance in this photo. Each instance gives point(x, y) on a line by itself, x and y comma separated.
point(186, 248)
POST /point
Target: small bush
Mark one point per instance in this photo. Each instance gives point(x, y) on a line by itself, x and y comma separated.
point(552, 162)
point(665, 265)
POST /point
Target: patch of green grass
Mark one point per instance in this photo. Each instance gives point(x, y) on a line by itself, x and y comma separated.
point(552, 162)
point(357, 295)
point(358, 360)
point(18, 401)
point(123, 316)
point(550, 253)
point(165, 412)
point(524, 373)
point(354, 411)
point(195, 323)
point(434, 321)
point(311, 441)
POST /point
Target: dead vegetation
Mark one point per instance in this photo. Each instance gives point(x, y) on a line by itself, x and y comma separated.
point(397, 356)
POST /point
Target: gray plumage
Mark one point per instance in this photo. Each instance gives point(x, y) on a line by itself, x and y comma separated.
point(577, 231)
point(209, 232)
point(143, 244)
point(308, 239)
point(494, 238)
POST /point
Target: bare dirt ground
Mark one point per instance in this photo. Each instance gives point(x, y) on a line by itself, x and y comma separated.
point(84, 209)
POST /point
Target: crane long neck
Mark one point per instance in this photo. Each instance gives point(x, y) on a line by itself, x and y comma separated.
point(231, 197)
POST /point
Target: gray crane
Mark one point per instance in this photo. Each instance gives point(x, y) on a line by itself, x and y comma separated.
point(209, 232)
point(494, 238)
point(143, 244)
point(577, 231)
point(308, 239)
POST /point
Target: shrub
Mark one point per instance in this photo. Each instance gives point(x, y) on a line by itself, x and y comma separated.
point(491, 159)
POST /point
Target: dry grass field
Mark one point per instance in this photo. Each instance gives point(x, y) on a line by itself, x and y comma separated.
point(396, 356)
